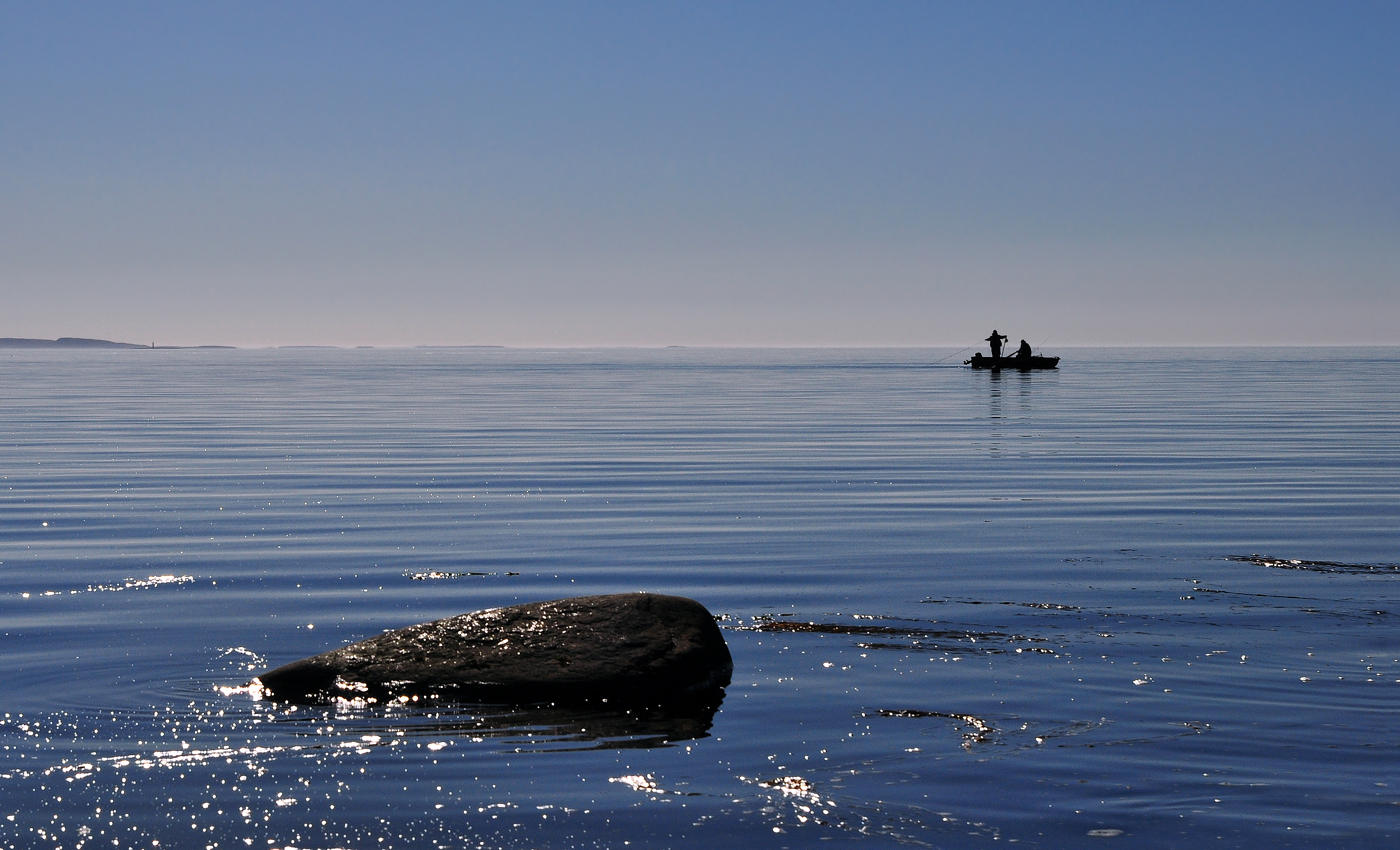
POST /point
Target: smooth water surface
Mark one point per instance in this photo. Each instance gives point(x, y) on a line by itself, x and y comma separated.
point(1149, 599)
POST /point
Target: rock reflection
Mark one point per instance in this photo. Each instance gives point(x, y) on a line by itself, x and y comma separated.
point(539, 728)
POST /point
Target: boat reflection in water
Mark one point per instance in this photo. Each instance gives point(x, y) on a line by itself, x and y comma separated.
point(1033, 361)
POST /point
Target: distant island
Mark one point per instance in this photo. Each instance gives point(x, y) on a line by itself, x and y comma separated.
point(82, 342)
point(79, 342)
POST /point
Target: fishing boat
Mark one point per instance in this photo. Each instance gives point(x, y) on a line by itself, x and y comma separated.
point(1033, 361)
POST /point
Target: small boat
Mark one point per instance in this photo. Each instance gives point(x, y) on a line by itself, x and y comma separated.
point(1034, 361)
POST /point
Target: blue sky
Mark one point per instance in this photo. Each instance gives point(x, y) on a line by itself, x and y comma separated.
point(701, 173)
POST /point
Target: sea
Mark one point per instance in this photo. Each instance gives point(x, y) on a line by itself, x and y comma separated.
point(1149, 599)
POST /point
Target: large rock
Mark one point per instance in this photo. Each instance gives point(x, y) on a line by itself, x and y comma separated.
point(633, 647)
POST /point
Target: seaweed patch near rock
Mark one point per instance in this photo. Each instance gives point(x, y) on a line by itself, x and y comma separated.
point(906, 637)
point(628, 647)
point(1315, 566)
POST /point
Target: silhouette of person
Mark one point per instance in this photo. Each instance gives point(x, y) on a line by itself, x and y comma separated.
point(1024, 350)
point(996, 340)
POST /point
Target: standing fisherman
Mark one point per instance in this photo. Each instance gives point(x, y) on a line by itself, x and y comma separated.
point(996, 340)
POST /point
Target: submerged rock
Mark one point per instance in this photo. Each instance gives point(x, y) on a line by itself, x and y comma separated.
point(634, 647)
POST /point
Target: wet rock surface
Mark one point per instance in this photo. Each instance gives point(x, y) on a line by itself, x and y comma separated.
point(629, 647)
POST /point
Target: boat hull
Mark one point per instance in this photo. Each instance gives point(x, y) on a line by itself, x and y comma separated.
point(1022, 363)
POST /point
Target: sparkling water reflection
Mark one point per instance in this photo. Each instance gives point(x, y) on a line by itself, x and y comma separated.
point(962, 605)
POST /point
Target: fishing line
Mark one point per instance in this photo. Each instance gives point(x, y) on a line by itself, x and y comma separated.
point(954, 354)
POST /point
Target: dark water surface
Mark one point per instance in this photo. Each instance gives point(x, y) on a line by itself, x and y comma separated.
point(1151, 599)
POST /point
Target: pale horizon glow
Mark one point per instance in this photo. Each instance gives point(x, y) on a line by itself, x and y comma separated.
point(639, 175)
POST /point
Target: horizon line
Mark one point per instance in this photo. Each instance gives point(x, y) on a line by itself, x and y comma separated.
point(90, 343)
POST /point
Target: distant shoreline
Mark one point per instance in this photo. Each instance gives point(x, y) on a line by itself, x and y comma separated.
point(80, 342)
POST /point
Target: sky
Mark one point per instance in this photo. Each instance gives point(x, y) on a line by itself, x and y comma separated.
point(706, 173)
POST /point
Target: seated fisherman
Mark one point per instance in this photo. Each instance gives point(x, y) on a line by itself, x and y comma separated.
point(1024, 350)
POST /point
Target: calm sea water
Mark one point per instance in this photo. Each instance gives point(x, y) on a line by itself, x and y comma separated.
point(1147, 600)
